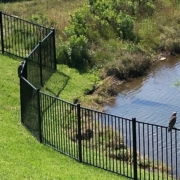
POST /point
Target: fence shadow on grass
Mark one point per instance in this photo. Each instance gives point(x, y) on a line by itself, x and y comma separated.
point(58, 84)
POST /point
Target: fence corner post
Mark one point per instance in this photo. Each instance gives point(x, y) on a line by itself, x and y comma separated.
point(40, 62)
point(79, 132)
point(134, 147)
point(21, 98)
point(39, 115)
point(2, 37)
point(54, 45)
point(24, 71)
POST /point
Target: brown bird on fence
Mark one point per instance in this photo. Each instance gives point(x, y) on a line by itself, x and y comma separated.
point(172, 121)
point(20, 68)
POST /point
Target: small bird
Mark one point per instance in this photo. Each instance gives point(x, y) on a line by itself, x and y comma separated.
point(172, 121)
point(20, 68)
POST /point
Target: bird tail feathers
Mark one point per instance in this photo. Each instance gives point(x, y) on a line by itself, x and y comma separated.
point(169, 129)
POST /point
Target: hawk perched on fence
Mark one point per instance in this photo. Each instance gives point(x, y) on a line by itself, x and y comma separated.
point(172, 121)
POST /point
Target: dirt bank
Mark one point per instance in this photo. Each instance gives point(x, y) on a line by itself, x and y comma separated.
point(106, 92)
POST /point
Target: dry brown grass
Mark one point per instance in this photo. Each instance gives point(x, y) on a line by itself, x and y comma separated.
point(57, 11)
point(95, 135)
point(105, 93)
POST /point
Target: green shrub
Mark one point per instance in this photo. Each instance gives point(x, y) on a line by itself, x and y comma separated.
point(42, 20)
point(74, 52)
point(111, 15)
point(78, 24)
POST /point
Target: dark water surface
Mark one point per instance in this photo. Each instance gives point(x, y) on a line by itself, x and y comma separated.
point(152, 99)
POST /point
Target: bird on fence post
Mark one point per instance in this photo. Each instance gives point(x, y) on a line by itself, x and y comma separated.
point(20, 68)
point(172, 121)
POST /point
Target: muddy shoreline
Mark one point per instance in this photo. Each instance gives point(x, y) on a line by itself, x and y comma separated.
point(106, 92)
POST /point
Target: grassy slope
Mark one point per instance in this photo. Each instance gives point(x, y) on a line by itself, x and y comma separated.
point(55, 11)
point(67, 83)
point(21, 156)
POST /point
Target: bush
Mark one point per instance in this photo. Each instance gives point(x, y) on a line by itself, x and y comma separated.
point(74, 52)
point(78, 24)
point(110, 14)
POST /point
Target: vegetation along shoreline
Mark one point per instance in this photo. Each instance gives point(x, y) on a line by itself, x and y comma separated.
point(114, 41)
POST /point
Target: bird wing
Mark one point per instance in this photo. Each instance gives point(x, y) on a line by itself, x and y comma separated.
point(172, 121)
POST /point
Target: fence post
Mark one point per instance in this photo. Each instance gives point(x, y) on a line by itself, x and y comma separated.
point(21, 98)
point(54, 49)
point(134, 147)
point(21, 81)
point(40, 62)
point(2, 38)
point(24, 72)
point(39, 115)
point(79, 132)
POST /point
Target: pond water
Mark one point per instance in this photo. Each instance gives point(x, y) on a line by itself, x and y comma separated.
point(152, 99)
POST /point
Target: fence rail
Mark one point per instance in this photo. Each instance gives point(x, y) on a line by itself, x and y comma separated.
point(124, 146)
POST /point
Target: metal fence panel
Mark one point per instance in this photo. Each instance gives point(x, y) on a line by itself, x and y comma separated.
point(47, 51)
point(20, 36)
point(41, 61)
point(47, 55)
point(158, 152)
point(59, 125)
point(30, 108)
point(107, 141)
point(34, 68)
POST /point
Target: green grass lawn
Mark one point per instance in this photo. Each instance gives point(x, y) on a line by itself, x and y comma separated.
point(21, 156)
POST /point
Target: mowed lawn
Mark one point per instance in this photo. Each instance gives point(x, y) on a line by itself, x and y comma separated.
point(21, 156)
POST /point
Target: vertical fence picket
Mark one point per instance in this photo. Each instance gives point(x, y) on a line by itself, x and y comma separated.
point(79, 132)
point(54, 53)
point(2, 38)
point(176, 155)
point(134, 147)
point(21, 98)
point(40, 63)
point(39, 115)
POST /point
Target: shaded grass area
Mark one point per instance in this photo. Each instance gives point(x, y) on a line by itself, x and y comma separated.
point(69, 84)
point(22, 157)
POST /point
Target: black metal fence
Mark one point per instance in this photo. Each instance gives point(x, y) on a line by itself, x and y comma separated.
point(30, 105)
point(31, 41)
point(124, 146)
point(19, 37)
point(41, 62)
point(134, 149)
